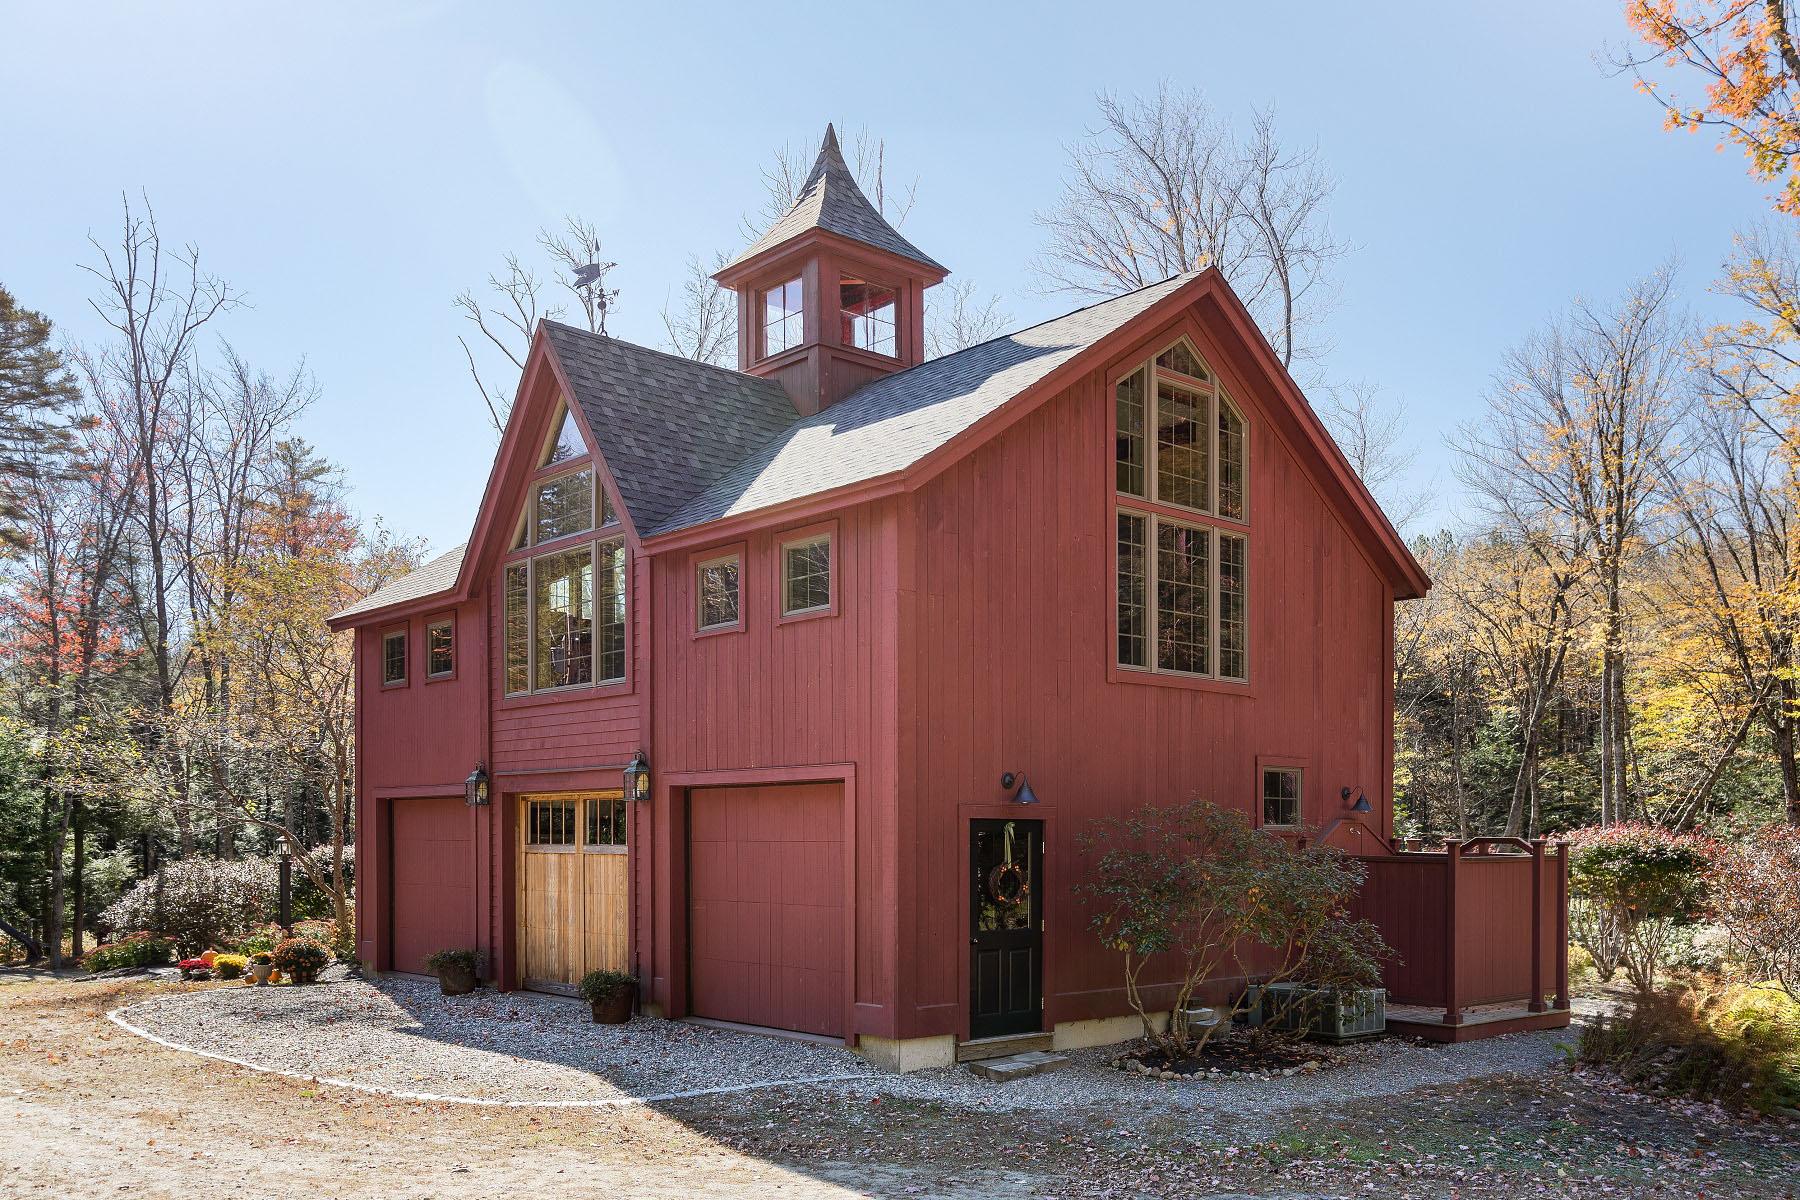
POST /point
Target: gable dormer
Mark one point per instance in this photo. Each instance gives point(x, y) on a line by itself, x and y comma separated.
point(831, 296)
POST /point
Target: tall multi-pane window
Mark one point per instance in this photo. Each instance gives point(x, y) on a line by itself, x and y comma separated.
point(393, 657)
point(1281, 790)
point(566, 617)
point(1181, 585)
point(518, 628)
point(440, 649)
point(866, 313)
point(783, 322)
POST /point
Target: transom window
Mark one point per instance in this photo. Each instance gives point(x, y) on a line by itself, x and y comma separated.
point(867, 312)
point(393, 657)
point(1281, 791)
point(567, 442)
point(605, 823)
point(550, 823)
point(1181, 584)
point(783, 323)
point(716, 586)
point(440, 649)
point(806, 575)
point(1172, 426)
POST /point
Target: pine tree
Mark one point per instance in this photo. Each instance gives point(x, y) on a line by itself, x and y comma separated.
point(37, 392)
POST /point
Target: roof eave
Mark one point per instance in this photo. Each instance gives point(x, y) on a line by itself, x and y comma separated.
point(741, 269)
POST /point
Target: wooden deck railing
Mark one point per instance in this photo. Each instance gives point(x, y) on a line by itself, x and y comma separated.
point(1482, 922)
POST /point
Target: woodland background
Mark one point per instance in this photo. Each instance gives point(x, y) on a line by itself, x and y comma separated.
point(1610, 639)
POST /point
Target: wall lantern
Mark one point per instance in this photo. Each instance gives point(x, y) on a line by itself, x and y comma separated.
point(1362, 801)
point(637, 777)
point(1024, 795)
point(475, 787)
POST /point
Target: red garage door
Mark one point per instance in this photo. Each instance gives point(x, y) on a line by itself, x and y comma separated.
point(766, 906)
point(433, 879)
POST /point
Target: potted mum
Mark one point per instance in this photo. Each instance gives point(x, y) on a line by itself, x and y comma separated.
point(457, 970)
point(301, 959)
point(230, 966)
point(261, 964)
point(610, 994)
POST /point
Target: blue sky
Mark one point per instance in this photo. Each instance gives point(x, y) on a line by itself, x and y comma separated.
point(352, 167)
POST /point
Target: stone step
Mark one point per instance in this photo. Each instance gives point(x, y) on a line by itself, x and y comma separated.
point(1019, 1066)
point(1001, 1047)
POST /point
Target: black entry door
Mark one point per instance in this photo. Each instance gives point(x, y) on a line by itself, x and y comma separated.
point(1006, 922)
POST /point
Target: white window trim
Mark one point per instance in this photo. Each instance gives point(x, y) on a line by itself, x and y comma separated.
point(1211, 388)
point(830, 573)
point(1214, 654)
point(594, 547)
point(1262, 797)
point(700, 625)
point(405, 658)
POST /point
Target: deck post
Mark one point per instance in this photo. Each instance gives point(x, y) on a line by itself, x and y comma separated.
point(1562, 926)
point(1537, 926)
point(1452, 860)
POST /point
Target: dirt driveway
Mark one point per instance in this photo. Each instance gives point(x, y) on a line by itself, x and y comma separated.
point(92, 1110)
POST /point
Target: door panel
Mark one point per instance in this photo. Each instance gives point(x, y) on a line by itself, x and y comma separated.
point(1006, 918)
point(766, 906)
point(574, 888)
point(433, 879)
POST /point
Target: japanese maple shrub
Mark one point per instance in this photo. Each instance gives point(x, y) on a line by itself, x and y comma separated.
point(1630, 888)
point(1756, 897)
point(1196, 893)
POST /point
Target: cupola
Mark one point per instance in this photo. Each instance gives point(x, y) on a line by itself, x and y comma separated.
point(831, 296)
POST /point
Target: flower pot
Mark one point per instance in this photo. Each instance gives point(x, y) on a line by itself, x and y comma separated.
point(259, 973)
point(616, 1008)
point(456, 981)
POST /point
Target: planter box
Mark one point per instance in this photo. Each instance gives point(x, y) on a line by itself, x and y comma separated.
point(1327, 1016)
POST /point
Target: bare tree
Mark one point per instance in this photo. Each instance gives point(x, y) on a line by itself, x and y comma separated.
point(957, 317)
point(702, 324)
point(1162, 186)
point(1372, 435)
point(515, 301)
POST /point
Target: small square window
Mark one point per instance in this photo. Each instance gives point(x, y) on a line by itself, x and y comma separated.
point(440, 649)
point(716, 585)
point(393, 658)
point(1281, 796)
point(806, 575)
point(550, 823)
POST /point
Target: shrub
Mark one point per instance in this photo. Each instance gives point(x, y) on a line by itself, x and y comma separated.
point(301, 959)
point(1756, 897)
point(204, 902)
point(1630, 887)
point(267, 937)
point(261, 939)
point(140, 949)
point(1197, 887)
point(230, 966)
point(597, 987)
point(449, 960)
point(1740, 1047)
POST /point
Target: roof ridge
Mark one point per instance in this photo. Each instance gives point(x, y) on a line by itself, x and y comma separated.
point(733, 372)
point(1001, 337)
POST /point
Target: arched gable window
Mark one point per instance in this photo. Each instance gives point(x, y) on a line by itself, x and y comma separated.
point(565, 605)
point(1180, 465)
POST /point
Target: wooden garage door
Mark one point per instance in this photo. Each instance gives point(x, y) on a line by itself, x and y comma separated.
point(766, 906)
point(574, 881)
point(433, 879)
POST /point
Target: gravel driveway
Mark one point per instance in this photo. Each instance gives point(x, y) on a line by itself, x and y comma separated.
point(399, 1036)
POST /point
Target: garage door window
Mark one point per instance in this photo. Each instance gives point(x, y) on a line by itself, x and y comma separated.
point(550, 823)
point(606, 825)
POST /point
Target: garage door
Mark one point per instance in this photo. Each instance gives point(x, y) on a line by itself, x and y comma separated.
point(433, 879)
point(766, 906)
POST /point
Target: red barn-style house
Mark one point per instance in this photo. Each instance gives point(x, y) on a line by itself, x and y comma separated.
point(753, 682)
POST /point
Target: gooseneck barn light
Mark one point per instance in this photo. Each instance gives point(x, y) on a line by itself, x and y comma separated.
point(1362, 801)
point(1024, 795)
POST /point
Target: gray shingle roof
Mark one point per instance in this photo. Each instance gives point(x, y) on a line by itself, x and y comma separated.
point(438, 575)
point(669, 427)
point(893, 422)
point(830, 200)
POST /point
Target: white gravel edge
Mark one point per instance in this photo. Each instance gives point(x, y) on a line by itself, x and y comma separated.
point(116, 1016)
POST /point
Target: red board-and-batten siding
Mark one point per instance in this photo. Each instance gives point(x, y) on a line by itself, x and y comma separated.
point(999, 576)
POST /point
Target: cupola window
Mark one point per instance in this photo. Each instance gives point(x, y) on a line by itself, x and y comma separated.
point(867, 313)
point(783, 323)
